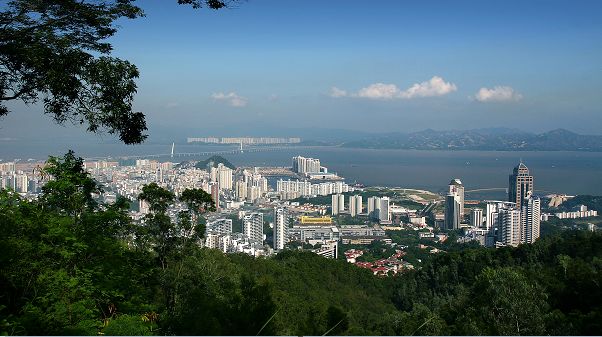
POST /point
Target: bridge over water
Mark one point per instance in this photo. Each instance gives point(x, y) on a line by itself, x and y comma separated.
point(182, 155)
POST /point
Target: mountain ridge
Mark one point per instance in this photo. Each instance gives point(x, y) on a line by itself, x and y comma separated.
point(492, 139)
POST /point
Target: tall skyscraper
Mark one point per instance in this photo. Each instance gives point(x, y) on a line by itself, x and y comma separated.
point(253, 227)
point(519, 185)
point(455, 186)
point(530, 218)
point(280, 227)
point(452, 211)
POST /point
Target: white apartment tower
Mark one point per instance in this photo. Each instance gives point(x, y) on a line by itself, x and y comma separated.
point(280, 227)
point(373, 207)
point(306, 165)
point(253, 227)
point(530, 218)
point(338, 204)
point(491, 216)
point(223, 176)
point(509, 226)
point(355, 205)
point(476, 217)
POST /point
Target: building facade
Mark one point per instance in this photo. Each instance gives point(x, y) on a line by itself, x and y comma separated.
point(530, 219)
point(355, 205)
point(456, 186)
point(520, 183)
point(476, 217)
point(452, 211)
point(281, 224)
point(252, 227)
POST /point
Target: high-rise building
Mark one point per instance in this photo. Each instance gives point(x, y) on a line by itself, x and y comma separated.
point(241, 190)
point(355, 205)
point(455, 186)
point(215, 194)
point(334, 205)
point(452, 211)
point(373, 207)
point(491, 215)
point(384, 213)
point(520, 184)
point(21, 183)
point(224, 177)
point(281, 222)
point(338, 203)
point(7, 167)
point(253, 227)
point(476, 217)
point(159, 175)
point(530, 219)
point(306, 165)
point(509, 231)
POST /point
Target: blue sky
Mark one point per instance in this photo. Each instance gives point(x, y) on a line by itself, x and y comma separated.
point(375, 66)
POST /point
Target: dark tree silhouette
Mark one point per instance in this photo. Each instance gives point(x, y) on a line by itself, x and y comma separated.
point(55, 52)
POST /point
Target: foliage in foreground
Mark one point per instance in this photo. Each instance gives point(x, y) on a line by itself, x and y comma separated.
point(72, 266)
point(57, 53)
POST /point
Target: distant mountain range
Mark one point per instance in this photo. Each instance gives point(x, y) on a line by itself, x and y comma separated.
point(494, 139)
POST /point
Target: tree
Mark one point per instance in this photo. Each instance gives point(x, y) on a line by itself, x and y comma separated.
point(506, 302)
point(71, 188)
point(55, 52)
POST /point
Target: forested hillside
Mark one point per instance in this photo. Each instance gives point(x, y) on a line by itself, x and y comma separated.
point(72, 266)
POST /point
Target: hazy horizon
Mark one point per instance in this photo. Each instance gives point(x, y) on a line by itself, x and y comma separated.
point(391, 67)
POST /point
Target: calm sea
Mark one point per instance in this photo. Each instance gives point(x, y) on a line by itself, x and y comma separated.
point(554, 172)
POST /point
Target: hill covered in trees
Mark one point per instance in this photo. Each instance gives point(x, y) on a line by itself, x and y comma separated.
point(73, 266)
point(213, 161)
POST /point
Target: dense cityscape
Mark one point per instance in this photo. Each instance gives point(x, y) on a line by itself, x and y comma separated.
point(255, 218)
point(300, 168)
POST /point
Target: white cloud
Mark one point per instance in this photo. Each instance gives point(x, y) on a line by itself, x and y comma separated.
point(497, 94)
point(436, 86)
point(231, 98)
point(379, 91)
point(336, 92)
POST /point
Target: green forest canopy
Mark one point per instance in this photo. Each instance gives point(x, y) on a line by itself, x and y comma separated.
point(73, 266)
